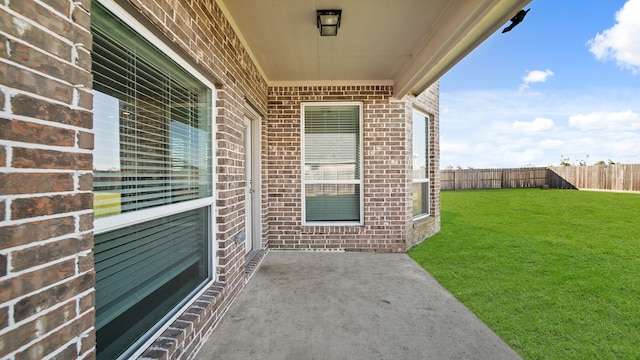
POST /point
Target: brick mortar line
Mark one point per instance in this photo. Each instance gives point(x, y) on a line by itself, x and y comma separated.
point(12, 116)
point(10, 91)
point(74, 46)
point(31, 22)
point(76, 340)
point(45, 194)
point(6, 251)
point(76, 87)
point(42, 336)
point(12, 275)
point(66, 149)
point(45, 217)
point(12, 170)
point(11, 303)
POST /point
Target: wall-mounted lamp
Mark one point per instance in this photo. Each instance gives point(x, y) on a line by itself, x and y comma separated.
point(329, 22)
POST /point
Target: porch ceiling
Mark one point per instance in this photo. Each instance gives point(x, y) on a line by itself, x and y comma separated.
point(407, 43)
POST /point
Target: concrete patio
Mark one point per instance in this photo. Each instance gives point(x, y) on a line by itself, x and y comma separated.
point(302, 305)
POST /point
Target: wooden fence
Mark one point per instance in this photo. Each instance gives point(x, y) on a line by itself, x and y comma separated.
point(492, 178)
point(609, 177)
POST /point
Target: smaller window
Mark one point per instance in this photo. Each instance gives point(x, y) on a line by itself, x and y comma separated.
point(331, 143)
point(421, 184)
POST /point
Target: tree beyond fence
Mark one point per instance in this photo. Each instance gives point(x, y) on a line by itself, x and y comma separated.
point(596, 177)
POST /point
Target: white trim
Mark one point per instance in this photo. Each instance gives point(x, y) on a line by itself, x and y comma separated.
point(113, 222)
point(192, 297)
point(429, 166)
point(256, 155)
point(359, 181)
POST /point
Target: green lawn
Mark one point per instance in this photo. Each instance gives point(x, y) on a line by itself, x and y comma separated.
point(555, 273)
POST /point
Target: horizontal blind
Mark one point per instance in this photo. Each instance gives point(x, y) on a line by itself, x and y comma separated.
point(332, 163)
point(332, 139)
point(152, 125)
point(133, 262)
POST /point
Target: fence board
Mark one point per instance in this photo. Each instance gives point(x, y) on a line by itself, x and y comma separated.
point(619, 177)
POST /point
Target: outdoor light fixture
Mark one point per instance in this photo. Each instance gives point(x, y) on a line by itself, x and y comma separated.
point(329, 22)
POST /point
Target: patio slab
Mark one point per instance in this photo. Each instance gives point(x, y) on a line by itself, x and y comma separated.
point(302, 305)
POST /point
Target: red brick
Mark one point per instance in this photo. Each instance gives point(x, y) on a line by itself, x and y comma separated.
point(70, 352)
point(88, 301)
point(35, 280)
point(86, 222)
point(25, 55)
point(33, 183)
point(50, 159)
point(4, 317)
point(2, 210)
point(29, 132)
point(38, 255)
point(57, 339)
point(50, 205)
point(3, 265)
point(86, 182)
point(43, 300)
point(27, 233)
point(43, 110)
point(85, 263)
point(26, 333)
point(61, 6)
point(3, 156)
point(26, 80)
point(88, 343)
point(85, 140)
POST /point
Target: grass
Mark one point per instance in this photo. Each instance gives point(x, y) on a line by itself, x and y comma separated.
point(555, 273)
point(106, 204)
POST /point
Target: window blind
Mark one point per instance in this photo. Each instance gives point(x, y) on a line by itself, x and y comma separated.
point(332, 163)
point(153, 140)
point(144, 271)
point(153, 130)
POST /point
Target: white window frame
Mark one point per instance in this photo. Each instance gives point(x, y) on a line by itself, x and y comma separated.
point(426, 180)
point(305, 182)
point(109, 223)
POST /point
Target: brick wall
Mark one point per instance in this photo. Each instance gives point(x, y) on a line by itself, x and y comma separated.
point(201, 31)
point(429, 103)
point(46, 137)
point(386, 169)
point(46, 264)
point(46, 221)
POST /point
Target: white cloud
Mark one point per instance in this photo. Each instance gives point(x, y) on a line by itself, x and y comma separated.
point(620, 42)
point(551, 144)
point(480, 131)
point(538, 125)
point(535, 76)
point(619, 121)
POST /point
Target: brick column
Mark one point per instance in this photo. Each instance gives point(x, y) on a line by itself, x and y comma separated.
point(46, 217)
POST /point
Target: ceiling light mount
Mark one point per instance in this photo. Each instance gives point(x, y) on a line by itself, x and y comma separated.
point(328, 21)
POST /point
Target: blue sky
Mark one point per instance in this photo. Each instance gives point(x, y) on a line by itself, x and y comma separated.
point(563, 84)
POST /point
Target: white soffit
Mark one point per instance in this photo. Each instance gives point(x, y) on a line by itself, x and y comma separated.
point(407, 43)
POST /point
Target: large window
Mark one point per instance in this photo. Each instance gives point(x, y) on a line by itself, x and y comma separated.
point(332, 183)
point(420, 164)
point(153, 183)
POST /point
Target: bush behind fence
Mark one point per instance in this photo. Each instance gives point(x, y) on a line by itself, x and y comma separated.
point(597, 177)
